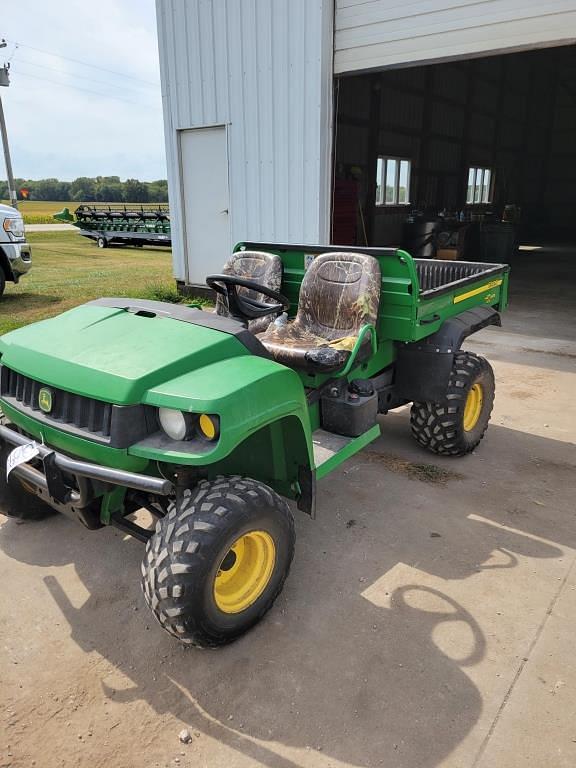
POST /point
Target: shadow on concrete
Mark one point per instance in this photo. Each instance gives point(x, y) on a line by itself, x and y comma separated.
point(514, 479)
point(329, 669)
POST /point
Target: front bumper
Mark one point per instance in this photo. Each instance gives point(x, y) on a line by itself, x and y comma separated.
point(49, 482)
point(19, 257)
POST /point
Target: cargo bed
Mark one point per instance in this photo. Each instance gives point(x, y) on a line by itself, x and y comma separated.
point(416, 296)
point(438, 277)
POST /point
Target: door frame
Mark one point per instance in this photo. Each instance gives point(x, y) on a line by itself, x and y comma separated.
point(179, 132)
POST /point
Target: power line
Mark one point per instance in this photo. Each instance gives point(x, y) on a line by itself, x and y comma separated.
point(86, 90)
point(84, 63)
point(78, 88)
point(72, 74)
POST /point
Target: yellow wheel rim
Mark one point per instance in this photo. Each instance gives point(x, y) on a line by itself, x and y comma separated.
point(244, 572)
point(473, 407)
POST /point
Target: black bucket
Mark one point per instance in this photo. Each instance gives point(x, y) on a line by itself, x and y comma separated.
point(419, 238)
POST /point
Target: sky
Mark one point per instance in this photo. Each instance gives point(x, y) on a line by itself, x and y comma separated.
point(66, 119)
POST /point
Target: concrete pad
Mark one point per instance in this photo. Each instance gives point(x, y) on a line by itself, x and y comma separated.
point(400, 640)
point(541, 292)
point(535, 725)
point(50, 228)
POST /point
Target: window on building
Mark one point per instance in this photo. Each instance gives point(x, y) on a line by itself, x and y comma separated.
point(393, 181)
point(479, 186)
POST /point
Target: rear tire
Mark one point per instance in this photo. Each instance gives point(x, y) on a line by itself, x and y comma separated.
point(215, 565)
point(102, 242)
point(455, 426)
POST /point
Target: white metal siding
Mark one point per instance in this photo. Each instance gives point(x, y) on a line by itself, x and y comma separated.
point(264, 68)
point(380, 33)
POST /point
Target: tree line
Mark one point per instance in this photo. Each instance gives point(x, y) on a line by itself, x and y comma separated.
point(106, 189)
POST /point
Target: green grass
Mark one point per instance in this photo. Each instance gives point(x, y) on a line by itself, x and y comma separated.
point(68, 269)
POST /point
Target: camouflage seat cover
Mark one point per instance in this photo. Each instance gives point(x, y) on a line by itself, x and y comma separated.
point(266, 269)
point(339, 294)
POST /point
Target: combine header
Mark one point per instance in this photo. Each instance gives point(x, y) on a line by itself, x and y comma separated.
point(123, 225)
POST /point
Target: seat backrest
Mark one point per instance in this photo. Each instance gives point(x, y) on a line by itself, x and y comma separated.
point(265, 268)
point(340, 292)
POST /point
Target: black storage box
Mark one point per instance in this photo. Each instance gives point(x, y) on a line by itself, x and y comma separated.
point(349, 414)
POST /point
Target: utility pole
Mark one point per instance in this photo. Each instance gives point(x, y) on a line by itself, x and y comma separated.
point(5, 81)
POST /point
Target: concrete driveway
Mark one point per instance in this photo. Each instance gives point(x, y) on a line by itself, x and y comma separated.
point(428, 620)
point(49, 228)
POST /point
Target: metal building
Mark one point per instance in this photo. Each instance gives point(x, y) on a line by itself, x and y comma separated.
point(247, 89)
point(285, 118)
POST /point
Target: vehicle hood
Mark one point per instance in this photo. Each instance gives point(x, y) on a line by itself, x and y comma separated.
point(8, 210)
point(111, 354)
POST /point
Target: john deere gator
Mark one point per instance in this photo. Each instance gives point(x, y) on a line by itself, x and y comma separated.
point(219, 423)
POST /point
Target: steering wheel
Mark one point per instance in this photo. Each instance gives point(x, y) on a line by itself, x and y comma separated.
point(243, 307)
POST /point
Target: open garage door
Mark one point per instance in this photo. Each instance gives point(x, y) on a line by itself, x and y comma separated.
point(471, 160)
point(487, 144)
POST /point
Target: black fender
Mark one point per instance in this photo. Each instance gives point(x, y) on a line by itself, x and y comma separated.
point(423, 367)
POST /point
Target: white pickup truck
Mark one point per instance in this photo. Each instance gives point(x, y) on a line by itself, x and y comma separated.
point(15, 252)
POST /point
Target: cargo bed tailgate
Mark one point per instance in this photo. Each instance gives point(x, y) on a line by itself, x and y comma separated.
point(447, 288)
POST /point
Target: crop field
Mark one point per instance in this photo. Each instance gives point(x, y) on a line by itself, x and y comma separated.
point(68, 269)
point(41, 211)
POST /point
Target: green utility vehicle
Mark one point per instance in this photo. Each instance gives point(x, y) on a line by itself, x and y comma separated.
point(211, 420)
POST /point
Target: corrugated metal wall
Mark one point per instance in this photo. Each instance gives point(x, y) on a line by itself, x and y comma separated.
point(378, 33)
point(264, 68)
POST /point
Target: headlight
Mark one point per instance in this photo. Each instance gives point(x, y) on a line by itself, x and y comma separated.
point(179, 425)
point(14, 226)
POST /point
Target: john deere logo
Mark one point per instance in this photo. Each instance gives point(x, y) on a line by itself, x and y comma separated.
point(45, 400)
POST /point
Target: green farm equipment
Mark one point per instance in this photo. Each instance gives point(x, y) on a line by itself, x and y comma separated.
point(211, 421)
point(122, 225)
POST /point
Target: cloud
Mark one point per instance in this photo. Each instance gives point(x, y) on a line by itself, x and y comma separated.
point(66, 119)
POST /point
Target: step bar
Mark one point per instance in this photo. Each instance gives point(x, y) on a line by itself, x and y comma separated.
point(331, 450)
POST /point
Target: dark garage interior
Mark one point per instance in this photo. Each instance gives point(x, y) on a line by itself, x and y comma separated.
point(471, 160)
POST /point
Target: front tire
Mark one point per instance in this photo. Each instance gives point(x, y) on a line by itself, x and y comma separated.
point(215, 565)
point(102, 242)
point(2, 282)
point(455, 425)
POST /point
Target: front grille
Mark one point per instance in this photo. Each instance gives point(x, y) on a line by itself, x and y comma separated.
point(118, 426)
point(78, 411)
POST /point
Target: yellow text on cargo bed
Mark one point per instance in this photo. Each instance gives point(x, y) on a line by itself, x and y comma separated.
point(476, 291)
